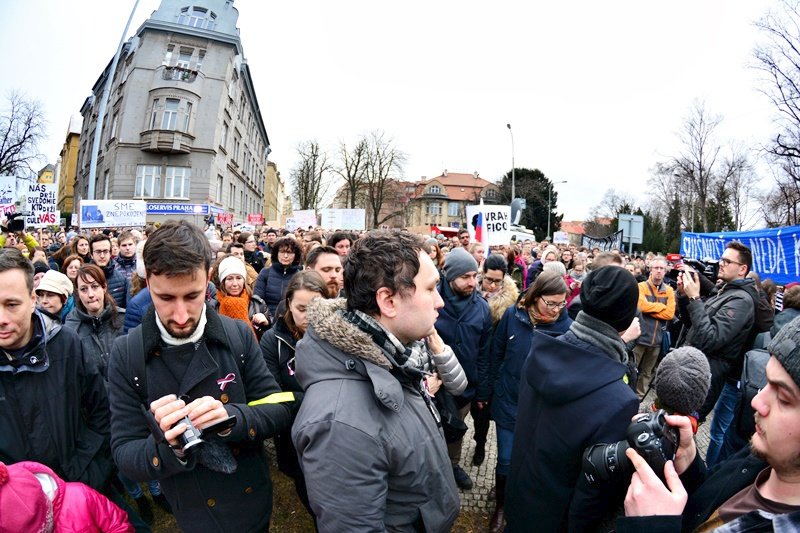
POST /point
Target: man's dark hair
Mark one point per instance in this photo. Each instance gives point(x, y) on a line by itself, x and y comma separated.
point(462, 231)
point(126, 235)
point(234, 244)
point(341, 236)
point(98, 238)
point(287, 242)
point(380, 259)
point(745, 255)
point(495, 262)
point(176, 248)
point(313, 255)
point(273, 231)
point(11, 258)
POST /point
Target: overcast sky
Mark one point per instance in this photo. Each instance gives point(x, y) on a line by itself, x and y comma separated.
point(595, 91)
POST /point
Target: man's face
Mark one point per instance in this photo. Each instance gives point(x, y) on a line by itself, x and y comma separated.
point(46, 241)
point(777, 408)
point(329, 267)
point(464, 285)
point(16, 306)
point(227, 239)
point(271, 238)
point(101, 253)
point(464, 239)
point(343, 247)
point(730, 266)
point(127, 248)
point(566, 256)
point(657, 271)
point(62, 238)
point(179, 300)
point(237, 252)
point(417, 311)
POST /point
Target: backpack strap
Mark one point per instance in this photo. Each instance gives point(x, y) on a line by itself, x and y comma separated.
point(136, 360)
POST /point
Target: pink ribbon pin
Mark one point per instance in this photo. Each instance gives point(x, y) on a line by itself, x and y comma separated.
point(223, 382)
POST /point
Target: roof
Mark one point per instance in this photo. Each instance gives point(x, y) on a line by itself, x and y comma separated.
point(575, 227)
point(458, 187)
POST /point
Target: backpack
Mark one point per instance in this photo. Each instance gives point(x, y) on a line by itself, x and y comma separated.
point(754, 378)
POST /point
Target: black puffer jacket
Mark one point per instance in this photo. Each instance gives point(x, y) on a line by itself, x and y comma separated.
point(97, 333)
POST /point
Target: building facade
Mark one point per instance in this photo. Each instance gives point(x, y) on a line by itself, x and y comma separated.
point(68, 167)
point(442, 201)
point(183, 124)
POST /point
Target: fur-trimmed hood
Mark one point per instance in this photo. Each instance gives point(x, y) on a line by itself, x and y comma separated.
point(325, 317)
point(504, 298)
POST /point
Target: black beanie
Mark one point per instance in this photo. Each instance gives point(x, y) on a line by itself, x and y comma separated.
point(611, 294)
point(40, 267)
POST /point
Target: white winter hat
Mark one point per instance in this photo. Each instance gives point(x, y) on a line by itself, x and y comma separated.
point(55, 282)
point(231, 265)
point(140, 260)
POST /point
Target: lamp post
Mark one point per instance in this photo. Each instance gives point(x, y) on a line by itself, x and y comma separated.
point(549, 199)
point(513, 188)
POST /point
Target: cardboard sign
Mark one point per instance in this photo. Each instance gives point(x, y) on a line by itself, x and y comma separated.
point(256, 219)
point(40, 202)
point(225, 219)
point(489, 224)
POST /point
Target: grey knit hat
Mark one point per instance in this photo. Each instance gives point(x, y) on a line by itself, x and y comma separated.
point(682, 380)
point(457, 263)
point(785, 346)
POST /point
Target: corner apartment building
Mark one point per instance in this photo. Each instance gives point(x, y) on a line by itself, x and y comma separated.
point(183, 128)
point(442, 201)
point(68, 167)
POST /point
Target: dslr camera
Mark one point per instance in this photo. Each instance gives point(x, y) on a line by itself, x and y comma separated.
point(16, 222)
point(192, 436)
point(649, 434)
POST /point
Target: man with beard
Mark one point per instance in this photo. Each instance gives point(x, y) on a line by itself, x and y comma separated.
point(184, 369)
point(326, 261)
point(754, 490)
point(465, 324)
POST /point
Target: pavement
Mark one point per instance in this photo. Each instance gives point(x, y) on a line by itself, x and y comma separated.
point(477, 499)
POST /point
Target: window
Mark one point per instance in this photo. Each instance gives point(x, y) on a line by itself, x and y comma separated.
point(154, 114)
point(491, 193)
point(224, 139)
point(176, 182)
point(452, 209)
point(434, 208)
point(197, 17)
point(188, 116)
point(434, 189)
point(200, 56)
point(170, 117)
point(114, 122)
point(184, 58)
point(231, 194)
point(148, 181)
point(237, 143)
point(220, 183)
point(168, 56)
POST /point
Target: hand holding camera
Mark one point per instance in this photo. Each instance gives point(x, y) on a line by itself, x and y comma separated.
point(647, 495)
point(182, 423)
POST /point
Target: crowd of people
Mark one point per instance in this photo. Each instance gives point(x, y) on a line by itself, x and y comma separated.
point(156, 362)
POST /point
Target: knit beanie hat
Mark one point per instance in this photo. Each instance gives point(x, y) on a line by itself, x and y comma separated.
point(55, 282)
point(23, 504)
point(231, 265)
point(785, 346)
point(457, 263)
point(611, 294)
point(556, 267)
point(140, 260)
point(682, 380)
point(40, 267)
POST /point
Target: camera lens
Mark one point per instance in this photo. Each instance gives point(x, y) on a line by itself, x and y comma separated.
point(191, 437)
point(601, 462)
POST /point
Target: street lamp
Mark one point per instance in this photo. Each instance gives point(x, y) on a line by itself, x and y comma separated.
point(513, 191)
point(549, 194)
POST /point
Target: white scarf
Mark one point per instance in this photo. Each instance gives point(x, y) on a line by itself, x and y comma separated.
point(194, 337)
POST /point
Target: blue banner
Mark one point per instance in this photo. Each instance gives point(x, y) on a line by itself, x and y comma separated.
point(776, 251)
point(158, 208)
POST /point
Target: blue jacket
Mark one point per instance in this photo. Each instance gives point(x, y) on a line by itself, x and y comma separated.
point(510, 349)
point(571, 395)
point(118, 284)
point(470, 336)
point(137, 307)
point(271, 284)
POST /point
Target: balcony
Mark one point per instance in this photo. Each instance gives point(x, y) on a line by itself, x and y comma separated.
point(177, 73)
point(166, 142)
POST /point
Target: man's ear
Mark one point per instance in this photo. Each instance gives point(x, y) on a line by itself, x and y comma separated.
point(385, 299)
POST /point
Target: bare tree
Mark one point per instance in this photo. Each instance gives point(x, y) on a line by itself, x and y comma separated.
point(739, 180)
point(22, 128)
point(352, 169)
point(779, 58)
point(781, 205)
point(384, 166)
point(310, 178)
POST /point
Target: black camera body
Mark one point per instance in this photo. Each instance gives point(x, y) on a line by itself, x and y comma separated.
point(648, 434)
point(16, 222)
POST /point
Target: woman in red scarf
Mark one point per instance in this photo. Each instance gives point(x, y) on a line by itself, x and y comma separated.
point(235, 297)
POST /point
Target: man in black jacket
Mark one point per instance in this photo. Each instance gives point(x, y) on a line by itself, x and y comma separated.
point(187, 364)
point(754, 490)
point(54, 408)
point(118, 284)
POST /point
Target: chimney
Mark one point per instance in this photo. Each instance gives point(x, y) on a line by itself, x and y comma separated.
point(444, 173)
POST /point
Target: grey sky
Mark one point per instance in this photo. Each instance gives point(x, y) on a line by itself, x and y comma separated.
point(595, 91)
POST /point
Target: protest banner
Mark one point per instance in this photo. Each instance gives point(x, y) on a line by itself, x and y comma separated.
point(225, 219)
point(776, 251)
point(255, 219)
point(302, 219)
point(112, 213)
point(605, 244)
point(560, 237)
point(40, 204)
point(349, 219)
point(8, 194)
point(489, 224)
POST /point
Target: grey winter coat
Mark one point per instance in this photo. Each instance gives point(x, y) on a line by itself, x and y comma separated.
point(445, 364)
point(372, 454)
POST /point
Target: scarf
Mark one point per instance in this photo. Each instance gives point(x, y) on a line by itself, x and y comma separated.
point(194, 337)
point(598, 333)
point(236, 307)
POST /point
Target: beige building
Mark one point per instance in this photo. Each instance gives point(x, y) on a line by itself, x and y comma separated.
point(442, 200)
point(68, 166)
point(183, 128)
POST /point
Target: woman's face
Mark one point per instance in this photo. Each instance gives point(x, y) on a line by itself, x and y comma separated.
point(479, 254)
point(549, 307)
point(92, 295)
point(286, 256)
point(72, 269)
point(234, 285)
point(49, 301)
point(114, 248)
point(37, 278)
point(432, 255)
point(82, 247)
point(579, 269)
point(298, 305)
point(250, 244)
point(39, 255)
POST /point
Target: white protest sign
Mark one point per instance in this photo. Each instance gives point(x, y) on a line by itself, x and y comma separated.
point(350, 219)
point(560, 237)
point(304, 218)
point(40, 203)
point(113, 213)
point(489, 224)
point(8, 194)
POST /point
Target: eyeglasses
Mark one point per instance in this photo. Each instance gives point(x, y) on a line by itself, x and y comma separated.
point(555, 305)
point(248, 241)
point(724, 261)
point(492, 281)
point(102, 252)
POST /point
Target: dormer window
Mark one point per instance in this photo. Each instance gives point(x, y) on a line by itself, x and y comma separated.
point(491, 193)
point(198, 17)
point(434, 189)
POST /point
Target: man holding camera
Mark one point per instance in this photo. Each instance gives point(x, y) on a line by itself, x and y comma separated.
point(754, 490)
point(191, 397)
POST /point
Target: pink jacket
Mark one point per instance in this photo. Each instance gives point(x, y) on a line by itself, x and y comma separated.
point(78, 508)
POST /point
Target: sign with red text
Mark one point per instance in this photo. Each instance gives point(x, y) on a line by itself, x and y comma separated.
point(256, 219)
